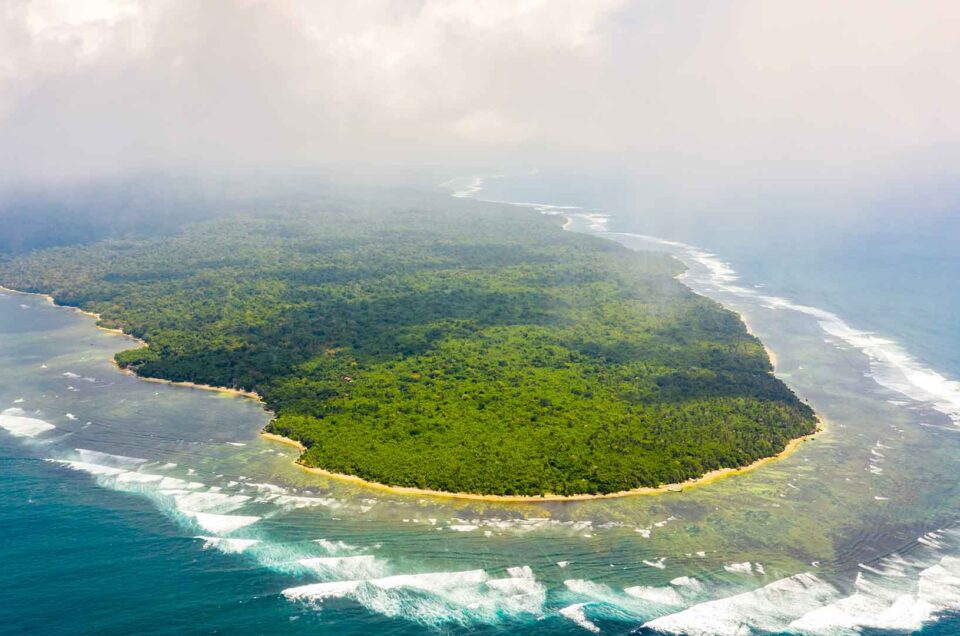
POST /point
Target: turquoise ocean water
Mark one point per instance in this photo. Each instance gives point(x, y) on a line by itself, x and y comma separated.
point(135, 507)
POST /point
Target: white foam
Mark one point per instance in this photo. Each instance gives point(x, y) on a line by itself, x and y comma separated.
point(71, 417)
point(870, 606)
point(345, 567)
point(295, 501)
point(687, 582)
point(431, 581)
point(207, 508)
point(739, 568)
point(660, 595)
point(463, 527)
point(592, 590)
point(108, 459)
point(133, 477)
point(899, 595)
point(576, 614)
point(320, 591)
point(176, 484)
point(93, 469)
point(437, 597)
point(14, 422)
point(658, 563)
point(939, 585)
point(222, 524)
point(678, 592)
point(768, 609)
point(270, 488)
point(207, 501)
point(227, 545)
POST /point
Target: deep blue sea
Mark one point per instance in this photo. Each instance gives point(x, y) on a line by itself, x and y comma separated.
point(133, 507)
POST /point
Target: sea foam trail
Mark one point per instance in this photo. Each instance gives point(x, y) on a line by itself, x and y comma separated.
point(891, 366)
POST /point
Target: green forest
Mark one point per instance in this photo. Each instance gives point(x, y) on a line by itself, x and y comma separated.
point(418, 340)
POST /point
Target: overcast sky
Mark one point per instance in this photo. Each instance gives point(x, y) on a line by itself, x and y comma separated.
point(697, 95)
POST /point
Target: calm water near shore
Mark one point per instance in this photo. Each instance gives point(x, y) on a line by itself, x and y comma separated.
point(137, 507)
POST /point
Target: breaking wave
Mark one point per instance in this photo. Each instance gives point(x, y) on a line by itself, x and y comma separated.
point(436, 598)
point(15, 421)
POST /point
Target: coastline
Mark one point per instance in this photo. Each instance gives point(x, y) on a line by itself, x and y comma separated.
point(50, 299)
point(770, 353)
point(708, 478)
point(703, 480)
point(193, 385)
point(119, 332)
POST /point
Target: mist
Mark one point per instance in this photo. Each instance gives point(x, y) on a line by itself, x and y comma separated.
point(737, 108)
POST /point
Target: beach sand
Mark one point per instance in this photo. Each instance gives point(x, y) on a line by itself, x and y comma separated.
point(708, 478)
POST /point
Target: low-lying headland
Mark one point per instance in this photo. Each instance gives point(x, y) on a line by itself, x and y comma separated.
point(470, 350)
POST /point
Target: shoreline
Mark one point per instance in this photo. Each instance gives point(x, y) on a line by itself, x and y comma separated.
point(50, 299)
point(193, 385)
point(708, 478)
point(120, 332)
point(770, 353)
point(703, 480)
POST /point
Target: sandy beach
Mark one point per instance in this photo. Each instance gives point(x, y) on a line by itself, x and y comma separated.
point(708, 478)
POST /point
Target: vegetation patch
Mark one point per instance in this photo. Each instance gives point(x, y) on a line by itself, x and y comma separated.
point(441, 344)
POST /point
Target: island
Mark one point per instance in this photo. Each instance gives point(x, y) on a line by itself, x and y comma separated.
point(421, 341)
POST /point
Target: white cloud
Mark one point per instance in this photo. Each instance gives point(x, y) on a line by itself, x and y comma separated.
point(715, 93)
